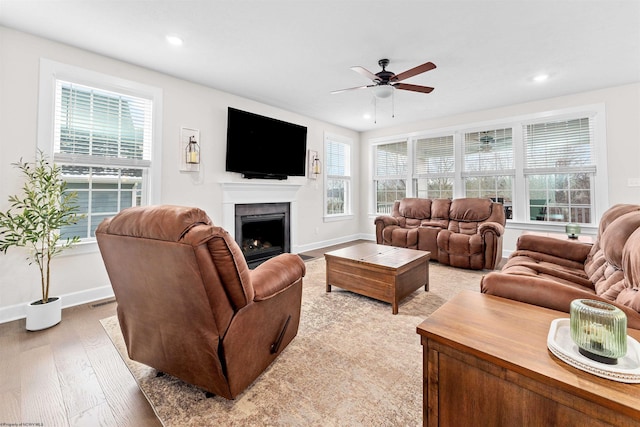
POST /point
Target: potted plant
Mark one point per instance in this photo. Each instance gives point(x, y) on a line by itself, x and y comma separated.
point(33, 220)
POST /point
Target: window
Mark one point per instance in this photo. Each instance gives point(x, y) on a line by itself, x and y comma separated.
point(559, 170)
point(545, 168)
point(102, 139)
point(488, 169)
point(390, 174)
point(338, 176)
point(434, 167)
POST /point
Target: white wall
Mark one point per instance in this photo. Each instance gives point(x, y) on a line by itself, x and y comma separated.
point(622, 108)
point(81, 276)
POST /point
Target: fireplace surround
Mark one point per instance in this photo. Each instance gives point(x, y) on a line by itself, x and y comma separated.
point(257, 192)
point(262, 230)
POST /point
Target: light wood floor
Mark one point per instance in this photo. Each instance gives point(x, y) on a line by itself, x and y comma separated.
point(71, 374)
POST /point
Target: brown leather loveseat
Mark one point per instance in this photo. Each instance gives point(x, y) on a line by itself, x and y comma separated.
point(464, 232)
point(551, 273)
point(189, 306)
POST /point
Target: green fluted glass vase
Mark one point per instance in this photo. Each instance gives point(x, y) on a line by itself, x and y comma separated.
point(599, 330)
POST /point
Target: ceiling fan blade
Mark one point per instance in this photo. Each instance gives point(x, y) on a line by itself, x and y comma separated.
point(351, 88)
point(366, 73)
point(414, 71)
point(414, 88)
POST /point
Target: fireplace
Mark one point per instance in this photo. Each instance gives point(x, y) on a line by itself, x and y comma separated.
point(262, 230)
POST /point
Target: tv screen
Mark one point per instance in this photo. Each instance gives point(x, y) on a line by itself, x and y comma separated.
point(262, 147)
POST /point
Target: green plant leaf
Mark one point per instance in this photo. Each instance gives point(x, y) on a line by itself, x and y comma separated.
point(34, 218)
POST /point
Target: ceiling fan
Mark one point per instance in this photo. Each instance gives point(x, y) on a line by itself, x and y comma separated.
point(385, 81)
point(487, 140)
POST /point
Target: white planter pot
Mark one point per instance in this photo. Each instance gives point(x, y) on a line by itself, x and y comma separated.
point(42, 316)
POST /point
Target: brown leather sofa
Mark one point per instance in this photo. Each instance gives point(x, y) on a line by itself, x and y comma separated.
point(464, 232)
point(189, 306)
point(551, 273)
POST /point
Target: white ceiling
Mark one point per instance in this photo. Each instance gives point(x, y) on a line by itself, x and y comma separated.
point(292, 54)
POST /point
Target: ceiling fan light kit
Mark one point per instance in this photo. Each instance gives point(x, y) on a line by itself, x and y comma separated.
point(384, 82)
point(383, 91)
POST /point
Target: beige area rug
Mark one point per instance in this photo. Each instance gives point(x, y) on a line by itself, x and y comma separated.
point(353, 363)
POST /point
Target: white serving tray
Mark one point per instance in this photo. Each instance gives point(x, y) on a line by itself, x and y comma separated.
point(559, 342)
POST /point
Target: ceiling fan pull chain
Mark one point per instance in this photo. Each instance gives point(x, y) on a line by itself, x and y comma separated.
point(375, 110)
point(393, 104)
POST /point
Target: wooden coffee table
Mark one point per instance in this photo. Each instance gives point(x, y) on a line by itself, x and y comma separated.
point(385, 273)
point(486, 362)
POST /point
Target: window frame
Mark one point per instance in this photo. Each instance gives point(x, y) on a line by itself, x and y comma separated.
point(52, 71)
point(596, 112)
point(417, 175)
point(377, 178)
point(348, 179)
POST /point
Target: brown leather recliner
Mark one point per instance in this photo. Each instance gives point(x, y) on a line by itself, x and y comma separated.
point(465, 232)
point(551, 273)
point(189, 306)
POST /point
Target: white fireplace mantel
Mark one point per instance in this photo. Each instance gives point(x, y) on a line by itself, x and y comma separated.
point(234, 193)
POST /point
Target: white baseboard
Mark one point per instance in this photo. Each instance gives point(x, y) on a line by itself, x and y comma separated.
point(18, 311)
point(324, 243)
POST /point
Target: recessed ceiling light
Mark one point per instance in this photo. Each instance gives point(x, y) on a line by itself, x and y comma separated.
point(174, 40)
point(541, 77)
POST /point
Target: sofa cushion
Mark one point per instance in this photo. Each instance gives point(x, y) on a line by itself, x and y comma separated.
point(470, 209)
point(593, 266)
point(630, 293)
point(609, 279)
point(440, 209)
point(567, 274)
point(613, 213)
point(401, 237)
point(415, 208)
point(615, 236)
point(605, 265)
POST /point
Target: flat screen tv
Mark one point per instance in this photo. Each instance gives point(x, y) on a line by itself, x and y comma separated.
point(262, 147)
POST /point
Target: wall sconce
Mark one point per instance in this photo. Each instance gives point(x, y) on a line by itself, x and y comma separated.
point(193, 151)
point(189, 150)
point(315, 166)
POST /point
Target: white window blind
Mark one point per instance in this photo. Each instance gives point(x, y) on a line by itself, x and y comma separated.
point(434, 156)
point(390, 180)
point(102, 140)
point(391, 159)
point(560, 145)
point(338, 179)
point(101, 127)
point(560, 169)
point(488, 151)
point(337, 159)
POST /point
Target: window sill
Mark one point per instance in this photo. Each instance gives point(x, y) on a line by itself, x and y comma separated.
point(547, 227)
point(82, 248)
point(333, 218)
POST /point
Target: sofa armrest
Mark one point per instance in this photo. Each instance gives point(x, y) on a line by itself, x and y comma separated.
point(545, 293)
point(276, 274)
point(532, 290)
point(566, 249)
point(490, 226)
point(386, 220)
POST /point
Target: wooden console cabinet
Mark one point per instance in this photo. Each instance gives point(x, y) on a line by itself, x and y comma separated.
point(486, 363)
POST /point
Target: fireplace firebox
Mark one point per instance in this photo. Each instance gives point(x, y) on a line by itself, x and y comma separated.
point(262, 230)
